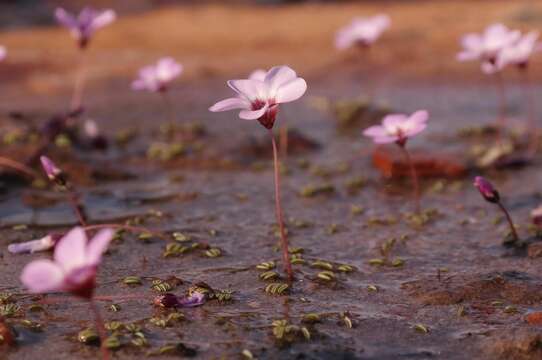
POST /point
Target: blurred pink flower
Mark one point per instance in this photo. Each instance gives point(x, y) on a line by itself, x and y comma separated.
point(74, 267)
point(518, 53)
point(3, 53)
point(259, 99)
point(45, 243)
point(398, 128)
point(486, 46)
point(156, 78)
point(83, 26)
point(362, 31)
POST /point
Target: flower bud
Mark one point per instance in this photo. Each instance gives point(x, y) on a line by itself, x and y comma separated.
point(486, 189)
point(52, 171)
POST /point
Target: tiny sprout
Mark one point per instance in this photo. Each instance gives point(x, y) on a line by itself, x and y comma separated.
point(491, 195)
point(247, 354)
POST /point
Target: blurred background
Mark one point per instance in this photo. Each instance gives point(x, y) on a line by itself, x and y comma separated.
point(225, 39)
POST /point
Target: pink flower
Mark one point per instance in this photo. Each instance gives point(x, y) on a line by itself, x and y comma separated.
point(486, 189)
point(83, 26)
point(156, 78)
point(486, 46)
point(74, 267)
point(362, 31)
point(3, 53)
point(260, 99)
point(398, 128)
point(45, 243)
point(518, 53)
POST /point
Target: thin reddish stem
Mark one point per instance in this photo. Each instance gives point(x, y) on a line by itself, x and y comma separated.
point(168, 105)
point(77, 97)
point(100, 328)
point(278, 211)
point(502, 108)
point(510, 222)
point(414, 177)
point(78, 208)
point(532, 127)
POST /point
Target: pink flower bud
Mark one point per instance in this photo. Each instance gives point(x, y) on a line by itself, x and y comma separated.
point(486, 189)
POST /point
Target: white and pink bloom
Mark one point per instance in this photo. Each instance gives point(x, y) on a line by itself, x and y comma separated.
point(362, 31)
point(84, 25)
point(518, 53)
point(486, 46)
point(3, 53)
point(157, 77)
point(74, 266)
point(398, 128)
point(260, 99)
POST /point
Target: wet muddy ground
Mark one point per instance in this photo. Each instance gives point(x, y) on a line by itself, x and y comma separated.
point(445, 288)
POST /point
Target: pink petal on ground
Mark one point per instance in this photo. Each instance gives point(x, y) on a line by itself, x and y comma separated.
point(291, 91)
point(229, 104)
point(98, 245)
point(42, 276)
point(70, 252)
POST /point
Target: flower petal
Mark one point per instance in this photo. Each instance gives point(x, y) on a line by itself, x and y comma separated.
point(229, 104)
point(71, 249)
point(104, 18)
point(393, 121)
point(245, 87)
point(278, 76)
point(291, 91)
point(375, 131)
point(65, 18)
point(253, 114)
point(98, 245)
point(420, 116)
point(42, 276)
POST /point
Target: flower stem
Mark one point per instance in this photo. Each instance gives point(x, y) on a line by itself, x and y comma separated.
point(100, 328)
point(532, 128)
point(502, 108)
point(510, 223)
point(77, 97)
point(77, 206)
point(169, 107)
point(414, 177)
point(278, 211)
